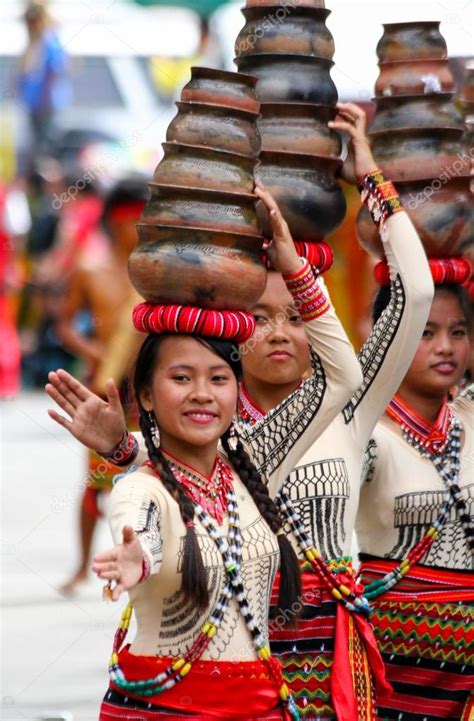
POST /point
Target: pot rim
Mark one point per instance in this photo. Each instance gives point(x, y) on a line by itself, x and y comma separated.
point(245, 78)
point(189, 229)
point(185, 189)
point(445, 96)
point(206, 149)
point(416, 61)
point(423, 181)
point(299, 107)
point(305, 59)
point(412, 23)
point(308, 9)
point(214, 106)
point(304, 157)
point(445, 129)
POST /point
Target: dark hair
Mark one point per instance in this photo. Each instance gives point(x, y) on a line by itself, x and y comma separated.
point(194, 584)
point(382, 299)
point(128, 190)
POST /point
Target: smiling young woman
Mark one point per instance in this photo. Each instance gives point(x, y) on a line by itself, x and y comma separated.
point(415, 525)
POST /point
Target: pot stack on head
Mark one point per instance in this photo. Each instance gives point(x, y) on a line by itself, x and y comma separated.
point(418, 140)
point(288, 47)
point(199, 237)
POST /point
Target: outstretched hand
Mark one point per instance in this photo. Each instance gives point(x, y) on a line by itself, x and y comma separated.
point(281, 249)
point(96, 423)
point(352, 119)
point(122, 564)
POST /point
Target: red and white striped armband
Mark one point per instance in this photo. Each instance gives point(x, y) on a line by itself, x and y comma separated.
point(310, 299)
point(124, 452)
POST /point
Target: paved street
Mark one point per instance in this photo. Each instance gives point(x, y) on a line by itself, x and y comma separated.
point(54, 651)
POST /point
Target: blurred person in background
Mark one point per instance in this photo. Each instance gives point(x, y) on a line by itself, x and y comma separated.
point(43, 83)
point(101, 286)
point(9, 285)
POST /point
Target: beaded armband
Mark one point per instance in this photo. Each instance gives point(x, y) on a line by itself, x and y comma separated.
point(381, 198)
point(309, 297)
point(124, 452)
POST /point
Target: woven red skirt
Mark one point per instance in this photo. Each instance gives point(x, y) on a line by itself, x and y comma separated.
point(425, 630)
point(240, 691)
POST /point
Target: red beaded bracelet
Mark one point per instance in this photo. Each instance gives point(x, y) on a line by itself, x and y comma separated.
point(124, 452)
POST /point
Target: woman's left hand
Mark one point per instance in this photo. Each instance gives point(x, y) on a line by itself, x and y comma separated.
point(360, 162)
point(281, 249)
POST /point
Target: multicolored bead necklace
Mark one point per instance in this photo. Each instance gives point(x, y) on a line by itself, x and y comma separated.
point(210, 493)
point(448, 464)
point(230, 549)
point(431, 437)
point(341, 586)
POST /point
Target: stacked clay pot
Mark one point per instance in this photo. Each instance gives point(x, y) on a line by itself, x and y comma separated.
point(199, 238)
point(418, 139)
point(289, 49)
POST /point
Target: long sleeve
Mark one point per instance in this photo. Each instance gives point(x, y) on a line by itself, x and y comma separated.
point(387, 353)
point(133, 502)
point(277, 442)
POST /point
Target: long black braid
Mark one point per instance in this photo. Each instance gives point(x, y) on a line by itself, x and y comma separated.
point(194, 585)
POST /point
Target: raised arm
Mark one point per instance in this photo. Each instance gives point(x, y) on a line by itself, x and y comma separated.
point(388, 351)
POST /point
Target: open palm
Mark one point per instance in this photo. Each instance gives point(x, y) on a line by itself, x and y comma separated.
point(96, 423)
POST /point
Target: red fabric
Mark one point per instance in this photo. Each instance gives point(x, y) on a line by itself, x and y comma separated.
point(319, 255)
point(219, 689)
point(449, 271)
point(229, 325)
point(127, 211)
point(89, 502)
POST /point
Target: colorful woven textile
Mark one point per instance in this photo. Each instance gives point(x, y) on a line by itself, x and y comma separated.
point(453, 271)
point(229, 325)
point(425, 630)
point(309, 652)
point(215, 690)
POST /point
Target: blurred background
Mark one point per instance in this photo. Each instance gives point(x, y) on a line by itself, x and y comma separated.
point(87, 89)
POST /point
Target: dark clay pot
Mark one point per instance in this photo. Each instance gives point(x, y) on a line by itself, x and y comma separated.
point(421, 111)
point(417, 154)
point(299, 128)
point(414, 77)
point(220, 87)
point(276, 29)
point(290, 78)
point(441, 212)
point(197, 267)
point(207, 209)
point(217, 127)
point(199, 167)
point(307, 192)
point(412, 41)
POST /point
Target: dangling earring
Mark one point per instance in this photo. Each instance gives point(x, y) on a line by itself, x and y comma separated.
point(155, 433)
point(233, 438)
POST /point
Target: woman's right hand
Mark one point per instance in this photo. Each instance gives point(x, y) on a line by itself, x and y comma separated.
point(122, 564)
point(352, 120)
point(96, 423)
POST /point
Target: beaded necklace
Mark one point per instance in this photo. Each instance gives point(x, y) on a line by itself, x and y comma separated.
point(448, 464)
point(340, 585)
point(431, 437)
point(210, 493)
point(230, 549)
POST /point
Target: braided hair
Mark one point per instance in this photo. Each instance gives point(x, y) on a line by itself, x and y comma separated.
point(194, 585)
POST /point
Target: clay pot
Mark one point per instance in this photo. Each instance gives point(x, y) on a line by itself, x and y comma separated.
point(215, 126)
point(276, 29)
point(414, 77)
point(307, 192)
point(289, 4)
point(441, 212)
point(207, 209)
point(421, 111)
point(299, 128)
point(412, 41)
point(417, 154)
point(199, 267)
point(199, 167)
point(220, 87)
point(290, 78)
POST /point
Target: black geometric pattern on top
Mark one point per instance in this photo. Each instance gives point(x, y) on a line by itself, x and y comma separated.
point(372, 354)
